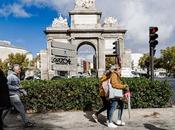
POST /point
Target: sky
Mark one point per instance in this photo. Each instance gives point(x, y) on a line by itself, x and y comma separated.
point(23, 21)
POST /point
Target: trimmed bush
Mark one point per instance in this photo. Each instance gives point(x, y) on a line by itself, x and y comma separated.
point(63, 94)
point(82, 94)
point(149, 95)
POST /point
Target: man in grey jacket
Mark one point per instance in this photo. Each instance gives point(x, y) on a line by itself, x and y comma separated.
point(14, 91)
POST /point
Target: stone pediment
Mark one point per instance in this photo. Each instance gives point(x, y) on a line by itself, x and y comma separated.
point(60, 22)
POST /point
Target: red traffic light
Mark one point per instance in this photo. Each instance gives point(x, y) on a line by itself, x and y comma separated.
point(153, 36)
point(153, 30)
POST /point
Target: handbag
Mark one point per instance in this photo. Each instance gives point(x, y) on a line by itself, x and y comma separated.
point(106, 87)
point(114, 92)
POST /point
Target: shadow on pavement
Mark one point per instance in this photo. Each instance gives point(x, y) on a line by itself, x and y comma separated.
point(152, 127)
point(101, 118)
point(15, 123)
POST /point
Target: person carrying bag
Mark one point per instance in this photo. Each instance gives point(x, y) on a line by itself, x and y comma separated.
point(103, 88)
point(116, 89)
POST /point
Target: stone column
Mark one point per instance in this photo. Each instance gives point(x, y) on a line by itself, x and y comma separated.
point(75, 71)
point(50, 71)
point(44, 64)
point(101, 56)
point(121, 44)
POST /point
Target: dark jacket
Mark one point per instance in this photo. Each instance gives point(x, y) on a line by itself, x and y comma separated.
point(4, 92)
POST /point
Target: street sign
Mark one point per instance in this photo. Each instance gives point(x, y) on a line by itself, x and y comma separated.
point(62, 45)
point(64, 60)
point(61, 52)
point(64, 67)
point(63, 56)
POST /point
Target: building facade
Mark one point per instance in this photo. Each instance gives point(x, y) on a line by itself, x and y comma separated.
point(7, 48)
point(135, 57)
point(86, 28)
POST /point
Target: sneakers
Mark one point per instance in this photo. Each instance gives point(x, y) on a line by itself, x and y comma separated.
point(112, 125)
point(120, 123)
point(29, 124)
point(95, 117)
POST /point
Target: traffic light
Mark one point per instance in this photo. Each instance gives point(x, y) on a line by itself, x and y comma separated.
point(152, 42)
point(114, 52)
point(116, 49)
point(153, 36)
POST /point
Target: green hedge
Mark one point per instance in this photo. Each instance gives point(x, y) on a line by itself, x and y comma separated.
point(82, 94)
point(149, 95)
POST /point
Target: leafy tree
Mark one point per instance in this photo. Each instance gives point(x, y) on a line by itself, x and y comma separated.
point(144, 61)
point(1, 65)
point(18, 59)
point(158, 63)
point(15, 59)
point(168, 59)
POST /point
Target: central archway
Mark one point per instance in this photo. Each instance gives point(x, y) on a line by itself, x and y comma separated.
point(87, 65)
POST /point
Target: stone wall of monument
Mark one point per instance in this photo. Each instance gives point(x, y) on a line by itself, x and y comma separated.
point(86, 26)
point(7, 48)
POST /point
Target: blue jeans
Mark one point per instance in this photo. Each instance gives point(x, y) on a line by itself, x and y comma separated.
point(120, 111)
point(112, 108)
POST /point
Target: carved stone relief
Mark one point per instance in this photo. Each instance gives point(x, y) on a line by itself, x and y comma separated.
point(60, 22)
point(84, 3)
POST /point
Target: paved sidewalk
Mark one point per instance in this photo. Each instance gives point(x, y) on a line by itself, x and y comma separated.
point(141, 119)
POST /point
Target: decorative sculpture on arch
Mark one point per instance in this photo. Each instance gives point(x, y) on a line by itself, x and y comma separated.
point(110, 21)
point(60, 22)
point(85, 3)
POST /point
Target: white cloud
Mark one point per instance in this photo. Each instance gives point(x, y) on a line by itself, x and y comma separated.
point(15, 10)
point(134, 15)
point(137, 15)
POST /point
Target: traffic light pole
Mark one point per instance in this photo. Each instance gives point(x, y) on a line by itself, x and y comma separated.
point(117, 53)
point(118, 60)
point(152, 62)
point(152, 42)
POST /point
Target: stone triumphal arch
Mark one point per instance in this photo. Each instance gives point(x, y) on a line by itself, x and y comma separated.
point(86, 26)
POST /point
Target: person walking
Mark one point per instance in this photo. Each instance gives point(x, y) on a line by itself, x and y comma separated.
point(14, 91)
point(117, 83)
point(103, 82)
point(4, 97)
